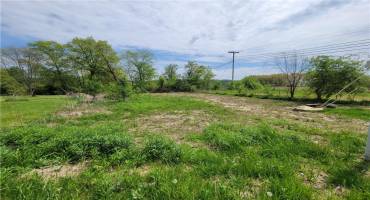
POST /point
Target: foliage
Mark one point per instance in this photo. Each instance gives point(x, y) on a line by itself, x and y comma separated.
point(26, 63)
point(9, 85)
point(329, 75)
point(81, 65)
point(276, 80)
point(138, 66)
point(251, 83)
point(119, 91)
point(197, 75)
point(55, 57)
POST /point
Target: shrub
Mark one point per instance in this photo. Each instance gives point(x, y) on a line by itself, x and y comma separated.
point(250, 83)
point(163, 149)
point(119, 91)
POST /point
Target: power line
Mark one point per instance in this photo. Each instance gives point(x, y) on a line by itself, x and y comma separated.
point(220, 65)
point(316, 38)
point(331, 46)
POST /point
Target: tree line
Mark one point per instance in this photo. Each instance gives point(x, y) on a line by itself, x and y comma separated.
point(86, 65)
point(91, 66)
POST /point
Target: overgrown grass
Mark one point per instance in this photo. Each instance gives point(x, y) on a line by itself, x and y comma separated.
point(228, 160)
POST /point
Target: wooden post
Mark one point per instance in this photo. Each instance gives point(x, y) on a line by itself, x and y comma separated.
point(367, 151)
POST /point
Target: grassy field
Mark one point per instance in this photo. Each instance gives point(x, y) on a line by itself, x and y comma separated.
point(21, 110)
point(302, 94)
point(181, 146)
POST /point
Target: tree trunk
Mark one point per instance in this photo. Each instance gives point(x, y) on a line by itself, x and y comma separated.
point(318, 95)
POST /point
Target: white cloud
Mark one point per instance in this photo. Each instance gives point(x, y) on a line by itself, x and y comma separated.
point(208, 28)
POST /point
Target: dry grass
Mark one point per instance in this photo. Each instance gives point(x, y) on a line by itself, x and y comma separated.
point(83, 109)
point(54, 172)
point(173, 124)
point(270, 109)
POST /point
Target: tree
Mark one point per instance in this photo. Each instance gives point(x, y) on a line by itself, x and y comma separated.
point(293, 66)
point(95, 63)
point(197, 75)
point(56, 59)
point(169, 78)
point(170, 72)
point(28, 63)
point(8, 84)
point(138, 66)
point(329, 75)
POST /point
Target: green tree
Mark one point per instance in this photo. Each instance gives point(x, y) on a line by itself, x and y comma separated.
point(96, 64)
point(197, 75)
point(170, 72)
point(169, 77)
point(8, 84)
point(27, 61)
point(329, 75)
point(139, 67)
point(55, 58)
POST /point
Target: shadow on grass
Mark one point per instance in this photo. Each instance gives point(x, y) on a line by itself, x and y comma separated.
point(350, 176)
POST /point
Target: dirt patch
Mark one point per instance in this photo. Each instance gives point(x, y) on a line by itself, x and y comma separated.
point(315, 178)
point(267, 109)
point(83, 109)
point(174, 124)
point(54, 172)
point(251, 190)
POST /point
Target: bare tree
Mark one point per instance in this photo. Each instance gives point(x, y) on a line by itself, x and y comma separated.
point(293, 66)
point(27, 61)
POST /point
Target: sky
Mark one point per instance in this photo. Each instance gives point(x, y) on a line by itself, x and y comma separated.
point(204, 31)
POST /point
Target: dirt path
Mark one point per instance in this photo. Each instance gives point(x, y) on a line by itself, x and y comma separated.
point(267, 109)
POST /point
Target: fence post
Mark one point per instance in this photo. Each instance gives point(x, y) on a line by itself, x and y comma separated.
point(367, 151)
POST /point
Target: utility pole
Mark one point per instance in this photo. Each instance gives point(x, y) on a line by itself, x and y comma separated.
point(367, 151)
point(233, 52)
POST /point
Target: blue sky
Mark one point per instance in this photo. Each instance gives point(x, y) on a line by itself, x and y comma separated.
point(177, 31)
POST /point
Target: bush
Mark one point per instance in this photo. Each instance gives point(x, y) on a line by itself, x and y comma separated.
point(119, 91)
point(163, 149)
point(250, 83)
point(92, 87)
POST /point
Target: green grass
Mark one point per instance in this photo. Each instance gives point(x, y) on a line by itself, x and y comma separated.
point(20, 110)
point(226, 160)
point(357, 113)
point(302, 94)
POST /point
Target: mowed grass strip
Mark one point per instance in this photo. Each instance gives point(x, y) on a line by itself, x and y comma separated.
point(348, 112)
point(20, 110)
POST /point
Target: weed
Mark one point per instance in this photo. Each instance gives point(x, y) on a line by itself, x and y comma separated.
point(163, 149)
